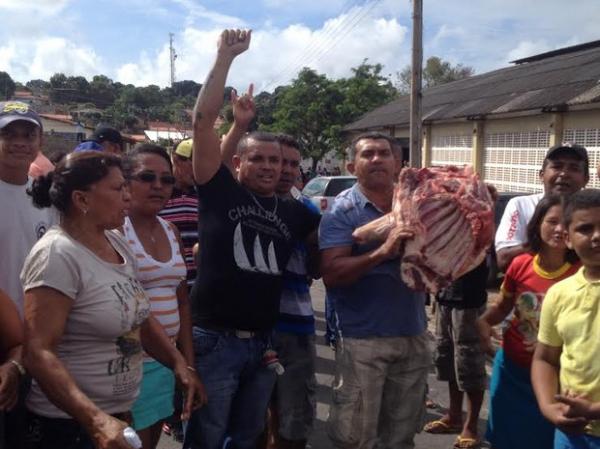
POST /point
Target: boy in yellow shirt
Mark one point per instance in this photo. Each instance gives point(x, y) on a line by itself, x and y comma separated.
point(566, 366)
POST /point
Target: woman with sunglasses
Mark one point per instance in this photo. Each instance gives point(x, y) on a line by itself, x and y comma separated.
point(162, 272)
point(87, 318)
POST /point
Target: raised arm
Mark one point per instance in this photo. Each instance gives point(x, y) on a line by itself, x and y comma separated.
point(243, 113)
point(206, 155)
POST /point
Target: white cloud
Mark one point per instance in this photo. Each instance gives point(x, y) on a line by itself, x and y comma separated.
point(277, 55)
point(44, 57)
point(46, 7)
point(528, 48)
point(39, 38)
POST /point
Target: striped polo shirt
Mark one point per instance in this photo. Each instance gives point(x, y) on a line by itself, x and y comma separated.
point(159, 279)
point(296, 315)
point(182, 211)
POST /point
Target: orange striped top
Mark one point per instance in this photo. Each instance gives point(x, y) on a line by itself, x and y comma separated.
point(159, 279)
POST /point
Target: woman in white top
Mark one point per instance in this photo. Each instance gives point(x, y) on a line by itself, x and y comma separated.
point(86, 315)
point(162, 272)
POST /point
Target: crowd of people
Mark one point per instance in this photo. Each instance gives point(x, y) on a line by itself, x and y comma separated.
point(141, 286)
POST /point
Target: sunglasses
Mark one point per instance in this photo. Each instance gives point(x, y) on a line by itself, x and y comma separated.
point(150, 177)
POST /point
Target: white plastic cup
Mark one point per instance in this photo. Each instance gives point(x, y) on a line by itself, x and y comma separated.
point(132, 438)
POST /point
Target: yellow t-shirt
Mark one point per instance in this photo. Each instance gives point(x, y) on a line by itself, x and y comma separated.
point(570, 319)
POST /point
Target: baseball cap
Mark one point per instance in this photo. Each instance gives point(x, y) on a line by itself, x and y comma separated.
point(184, 148)
point(11, 111)
point(88, 145)
point(568, 148)
point(107, 133)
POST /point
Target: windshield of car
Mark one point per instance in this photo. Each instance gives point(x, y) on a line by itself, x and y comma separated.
point(338, 185)
point(315, 187)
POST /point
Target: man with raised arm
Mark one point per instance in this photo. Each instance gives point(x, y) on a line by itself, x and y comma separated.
point(246, 236)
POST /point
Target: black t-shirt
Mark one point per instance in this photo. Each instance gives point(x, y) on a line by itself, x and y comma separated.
point(468, 291)
point(245, 243)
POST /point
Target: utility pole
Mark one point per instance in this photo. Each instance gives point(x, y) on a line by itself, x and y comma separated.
point(172, 57)
point(415, 84)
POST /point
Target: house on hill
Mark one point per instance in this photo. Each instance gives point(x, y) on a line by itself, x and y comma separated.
point(503, 122)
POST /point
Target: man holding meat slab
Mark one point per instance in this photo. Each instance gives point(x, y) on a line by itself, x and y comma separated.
point(382, 357)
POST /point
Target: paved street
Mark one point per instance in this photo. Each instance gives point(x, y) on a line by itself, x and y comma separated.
point(325, 366)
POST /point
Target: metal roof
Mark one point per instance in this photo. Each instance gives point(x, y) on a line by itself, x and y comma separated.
point(563, 78)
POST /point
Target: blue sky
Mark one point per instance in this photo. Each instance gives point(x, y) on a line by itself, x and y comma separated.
point(128, 40)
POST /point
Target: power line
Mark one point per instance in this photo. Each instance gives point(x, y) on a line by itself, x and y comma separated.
point(314, 42)
point(317, 45)
point(365, 13)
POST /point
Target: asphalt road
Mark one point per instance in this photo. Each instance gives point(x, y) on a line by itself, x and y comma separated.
point(438, 392)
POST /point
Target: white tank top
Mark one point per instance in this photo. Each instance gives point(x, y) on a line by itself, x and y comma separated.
point(159, 279)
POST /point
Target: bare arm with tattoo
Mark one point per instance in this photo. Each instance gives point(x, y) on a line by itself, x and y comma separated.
point(206, 155)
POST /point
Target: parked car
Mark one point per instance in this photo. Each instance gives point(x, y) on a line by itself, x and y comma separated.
point(495, 276)
point(322, 190)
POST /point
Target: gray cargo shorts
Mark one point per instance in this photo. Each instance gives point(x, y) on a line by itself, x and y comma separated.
point(459, 356)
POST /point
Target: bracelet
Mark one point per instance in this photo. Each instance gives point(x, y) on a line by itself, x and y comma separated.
point(20, 367)
point(191, 368)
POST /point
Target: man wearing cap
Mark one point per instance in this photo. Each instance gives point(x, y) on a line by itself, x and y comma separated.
point(565, 170)
point(20, 143)
point(22, 223)
point(105, 138)
point(182, 208)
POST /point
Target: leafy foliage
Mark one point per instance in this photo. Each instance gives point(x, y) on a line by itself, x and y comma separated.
point(436, 71)
point(313, 108)
point(7, 86)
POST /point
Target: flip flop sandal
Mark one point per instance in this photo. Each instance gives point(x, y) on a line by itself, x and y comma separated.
point(440, 427)
point(467, 443)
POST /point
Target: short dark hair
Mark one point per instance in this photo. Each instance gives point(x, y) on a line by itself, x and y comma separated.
point(534, 237)
point(584, 199)
point(259, 136)
point(286, 139)
point(149, 148)
point(77, 171)
point(374, 135)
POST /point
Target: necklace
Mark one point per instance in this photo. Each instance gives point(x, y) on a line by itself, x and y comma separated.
point(261, 206)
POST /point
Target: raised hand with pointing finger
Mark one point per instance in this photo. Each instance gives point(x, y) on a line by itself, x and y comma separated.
point(244, 109)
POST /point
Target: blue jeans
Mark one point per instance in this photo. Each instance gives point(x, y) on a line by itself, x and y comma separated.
point(238, 386)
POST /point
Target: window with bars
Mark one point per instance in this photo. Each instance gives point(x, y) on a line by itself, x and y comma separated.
point(590, 139)
point(513, 160)
point(451, 150)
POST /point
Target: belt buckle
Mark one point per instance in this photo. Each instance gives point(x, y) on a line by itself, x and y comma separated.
point(243, 334)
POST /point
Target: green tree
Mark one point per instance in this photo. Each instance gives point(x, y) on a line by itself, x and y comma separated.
point(7, 86)
point(308, 110)
point(38, 86)
point(315, 109)
point(436, 71)
point(102, 91)
point(365, 90)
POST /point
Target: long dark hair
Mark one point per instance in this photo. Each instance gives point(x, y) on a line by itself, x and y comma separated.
point(534, 236)
point(77, 171)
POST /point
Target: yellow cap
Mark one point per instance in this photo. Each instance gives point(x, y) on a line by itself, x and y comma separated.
point(184, 148)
